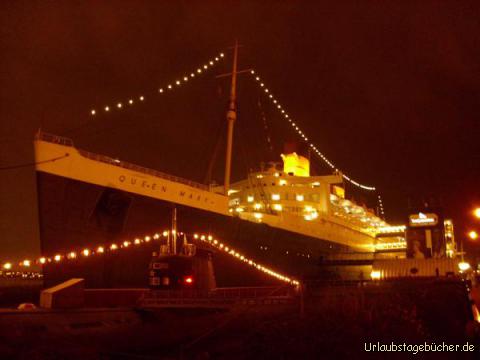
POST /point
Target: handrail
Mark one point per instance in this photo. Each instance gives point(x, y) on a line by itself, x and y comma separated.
point(108, 160)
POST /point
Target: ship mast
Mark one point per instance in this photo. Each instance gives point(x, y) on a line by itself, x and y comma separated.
point(231, 117)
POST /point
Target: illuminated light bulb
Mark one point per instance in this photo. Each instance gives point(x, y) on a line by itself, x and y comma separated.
point(119, 105)
point(270, 96)
point(226, 248)
point(7, 266)
point(221, 54)
point(113, 247)
point(463, 266)
point(215, 242)
point(262, 85)
point(86, 252)
point(211, 62)
point(202, 237)
point(274, 101)
point(195, 236)
point(136, 241)
point(216, 59)
point(42, 260)
point(57, 258)
point(93, 112)
point(257, 78)
point(160, 90)
point(141, 98)
point(148, 238)
point(126, 243)
point(165, 233)
point(210, 237)
point(205, 66)
point(177, 82)
point(26, 263)
point(107, 108)
point(220, 245)
point(72, 255)
point(199, 70)
point(266, 90)
point(156, 236)
point(169, 86)
point(100, 249)
point(473, 235)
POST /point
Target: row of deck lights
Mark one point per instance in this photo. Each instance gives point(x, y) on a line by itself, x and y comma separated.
point(295, 126)
point(72, 255)
point(168, 87)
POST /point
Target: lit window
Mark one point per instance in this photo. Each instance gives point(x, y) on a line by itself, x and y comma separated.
point(275, 196)
point(277, 207)
point(300, 197)
point(249, 198)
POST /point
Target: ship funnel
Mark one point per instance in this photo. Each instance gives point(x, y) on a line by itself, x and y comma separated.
point(295, 159)
point(294, 164)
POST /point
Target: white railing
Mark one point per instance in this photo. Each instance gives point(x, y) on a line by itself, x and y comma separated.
point(108, 160)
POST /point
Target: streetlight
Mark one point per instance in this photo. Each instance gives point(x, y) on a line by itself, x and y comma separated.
point(476, 212)
point(473, 235)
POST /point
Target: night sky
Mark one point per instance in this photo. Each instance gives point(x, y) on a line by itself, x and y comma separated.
point(389, 91)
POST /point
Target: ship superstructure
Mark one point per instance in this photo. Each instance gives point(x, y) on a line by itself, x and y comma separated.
point(291, 199)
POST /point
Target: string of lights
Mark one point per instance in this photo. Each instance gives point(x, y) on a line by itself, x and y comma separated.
point(113, 247)
point(380, 206)
point(120, 105)
point(229, 250)
point(304, 137)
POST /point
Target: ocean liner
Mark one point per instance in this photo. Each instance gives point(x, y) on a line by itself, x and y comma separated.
point(280, 215)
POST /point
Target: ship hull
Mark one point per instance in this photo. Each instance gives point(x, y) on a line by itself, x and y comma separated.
point(75, 215)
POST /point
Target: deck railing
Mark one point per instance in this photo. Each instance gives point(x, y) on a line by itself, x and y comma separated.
point(111, 161)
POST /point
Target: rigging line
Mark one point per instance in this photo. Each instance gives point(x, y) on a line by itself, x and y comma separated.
point(265, 127)
point(33, 163)
point(208, 176)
